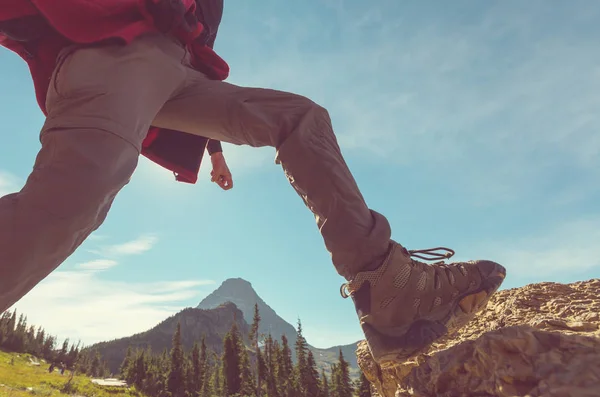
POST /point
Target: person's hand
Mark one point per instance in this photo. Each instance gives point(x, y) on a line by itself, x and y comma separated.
point(220, 173)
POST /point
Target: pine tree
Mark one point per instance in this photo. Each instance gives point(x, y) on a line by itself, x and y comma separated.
point(285, 370)
point(125, 365)
point(248, 387)
point(217, 382)
point(4, 318)
point(335, 381)
point(39, 341)
point(301, 370)
point(268, 364)
point(140, 370)
point(72, 356)
point(231, 362)
point(312, 376)
point(176, 380)
point(342, 384)
point(196, 372)
point(64, 350)
point(364, 386)
point(254, 339)
point(209, 380)
point(16, 341)
point(324, 386)
point(261, 373)
point(48, 348)
point(30, 344)
point(83, 363)
point(204, 366)
point(96, 365)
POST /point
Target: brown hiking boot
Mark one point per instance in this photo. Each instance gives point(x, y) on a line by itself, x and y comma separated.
point(405, 305)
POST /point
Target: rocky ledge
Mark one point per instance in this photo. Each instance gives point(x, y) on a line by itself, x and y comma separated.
point(538, 340)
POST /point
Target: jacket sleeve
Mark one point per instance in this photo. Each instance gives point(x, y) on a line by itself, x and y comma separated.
point(214, 146)
point(211, 13)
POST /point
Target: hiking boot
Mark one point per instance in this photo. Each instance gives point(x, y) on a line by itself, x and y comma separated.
point(405, 305)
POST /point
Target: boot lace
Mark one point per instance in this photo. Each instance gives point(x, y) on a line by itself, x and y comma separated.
point(428, 254)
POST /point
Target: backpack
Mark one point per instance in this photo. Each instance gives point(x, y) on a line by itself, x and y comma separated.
point(166, 14)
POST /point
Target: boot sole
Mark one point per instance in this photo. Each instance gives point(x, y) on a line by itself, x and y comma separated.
point(411, 339)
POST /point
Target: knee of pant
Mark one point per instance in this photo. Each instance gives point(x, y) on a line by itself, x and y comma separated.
point(319, 122)
point(95, 189)
point(103, 179)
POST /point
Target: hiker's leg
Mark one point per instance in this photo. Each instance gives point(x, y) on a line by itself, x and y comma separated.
point(101, 102)
point(75, 178)
point(301, 131)
point(403, 305)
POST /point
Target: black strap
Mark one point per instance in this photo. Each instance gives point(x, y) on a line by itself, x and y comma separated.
point(25, 29)
point(169, 15)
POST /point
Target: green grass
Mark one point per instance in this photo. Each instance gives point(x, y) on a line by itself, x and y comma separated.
point(18, 378)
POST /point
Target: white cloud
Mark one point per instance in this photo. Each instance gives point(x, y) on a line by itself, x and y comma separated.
point(97, 237)
point(98, 264)
point(8, 183)
point(567, 249)
point(81, 305)
point(134, 247)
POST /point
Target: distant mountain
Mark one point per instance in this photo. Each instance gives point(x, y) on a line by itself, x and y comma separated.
point(242, 294)
point(234, 299)
point(213, 323)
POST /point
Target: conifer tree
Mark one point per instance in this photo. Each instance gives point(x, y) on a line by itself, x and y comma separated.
point(204, 365)
point(364, 386)
point(48, 348)
point(254, 339)
point(312, 376)
point(248, 387)
point(324, 389)
point(39, 340)
point(301, 370)
point(96, 365)
point(207, 385)
point(71, 358)
point(30, 345)
point(342, 384)
point(64, 350)
point(218, 386)
point(176, 380)
point(126, 364)
point(231, 362)
point(261, 373)
point(196, 372)
point(139, 372)
point(268, 366)
point(285, 370)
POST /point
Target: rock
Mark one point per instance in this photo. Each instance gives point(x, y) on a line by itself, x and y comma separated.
point(538, 340)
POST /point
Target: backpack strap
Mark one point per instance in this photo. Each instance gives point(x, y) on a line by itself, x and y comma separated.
point(25, 29)
point(210, 13)
point(172, 17)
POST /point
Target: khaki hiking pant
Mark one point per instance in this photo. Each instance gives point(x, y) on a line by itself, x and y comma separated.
point(101, 102)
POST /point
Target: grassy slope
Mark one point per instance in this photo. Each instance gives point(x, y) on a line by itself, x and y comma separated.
point(15, 379)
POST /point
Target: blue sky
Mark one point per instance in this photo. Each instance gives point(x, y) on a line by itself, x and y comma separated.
point(472, 125)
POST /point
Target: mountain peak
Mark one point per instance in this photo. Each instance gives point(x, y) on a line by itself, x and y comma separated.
point(236, 283)
point(237, 280)
point(242, 294)
point(236, 289)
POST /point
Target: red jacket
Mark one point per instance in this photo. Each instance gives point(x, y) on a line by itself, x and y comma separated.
point(92, 21)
